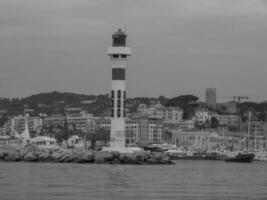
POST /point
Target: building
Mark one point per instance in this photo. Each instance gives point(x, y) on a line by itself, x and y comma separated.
point(55, 120)
point(167, 114)
point(211, 97)
point(34, 123)
point(140, 130)
point(204, 140)
point(201, 117)
point(173, 115)
point(150, 130)
point(227, 120)
point(82, 121)
point(131, 129)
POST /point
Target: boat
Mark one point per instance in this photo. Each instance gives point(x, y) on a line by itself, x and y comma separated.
point(240, 157)
point(159, 147)
point(179, 154)
point(261, 156)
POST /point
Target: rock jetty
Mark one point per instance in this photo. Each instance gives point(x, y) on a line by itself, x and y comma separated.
point(33, 154)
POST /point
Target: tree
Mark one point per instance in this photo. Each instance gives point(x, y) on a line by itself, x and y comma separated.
point(167, 136)
point(214, 123)
point(3, 120)
point(182, 101)
point(186, 102)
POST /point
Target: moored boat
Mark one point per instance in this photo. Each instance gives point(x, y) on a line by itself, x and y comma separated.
point(178, 154)
point(240, 157)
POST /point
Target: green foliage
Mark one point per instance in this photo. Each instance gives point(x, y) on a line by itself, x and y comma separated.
point(182, 101)
point(3, 119)
point(167, 136)
point(214, 123)
point(186, 102)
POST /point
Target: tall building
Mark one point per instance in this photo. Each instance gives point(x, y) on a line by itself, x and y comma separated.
point(211, 97)
point(34, 123)
point(118, 54)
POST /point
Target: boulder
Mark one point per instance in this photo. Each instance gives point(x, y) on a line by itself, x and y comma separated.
point(86, 157)
point(13, 156)
point(103, 157)
point(67, 156)
point(30, 157)
point(116, 154)
point(56, 156)
point(44, 157)
point(115, 161)
point(130, 158)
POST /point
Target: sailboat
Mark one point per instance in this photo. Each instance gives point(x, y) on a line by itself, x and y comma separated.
point(242, 156)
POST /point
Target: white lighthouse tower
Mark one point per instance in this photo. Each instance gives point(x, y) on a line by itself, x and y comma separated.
point(118, 54)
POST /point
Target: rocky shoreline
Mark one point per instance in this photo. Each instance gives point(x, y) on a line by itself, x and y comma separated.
point(33, 154)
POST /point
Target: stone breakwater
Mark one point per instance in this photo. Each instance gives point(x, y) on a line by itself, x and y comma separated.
point(33, 154)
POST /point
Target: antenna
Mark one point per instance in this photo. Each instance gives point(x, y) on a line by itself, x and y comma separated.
point(125, 30)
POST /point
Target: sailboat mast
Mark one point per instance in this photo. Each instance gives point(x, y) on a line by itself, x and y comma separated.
point(249, 118)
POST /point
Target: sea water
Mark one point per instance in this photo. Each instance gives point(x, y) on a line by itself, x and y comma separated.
point(184, 180)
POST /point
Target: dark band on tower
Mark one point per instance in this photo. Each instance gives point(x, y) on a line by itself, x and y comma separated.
point(118, 74)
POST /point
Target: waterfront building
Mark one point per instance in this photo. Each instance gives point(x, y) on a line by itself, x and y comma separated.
point(54, 120)
point(227, 120)
point(82, 121)
point(201, 117)
point(211, 97)
point(131, 131)
point(34, 123)
point(204, 140)
point(150, 130)
point(173, 115)
point(167, 114)
point(44, 142)
point(140, 130)
point(187, 124)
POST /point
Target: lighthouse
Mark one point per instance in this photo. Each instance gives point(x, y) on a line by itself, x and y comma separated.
point(118, 55)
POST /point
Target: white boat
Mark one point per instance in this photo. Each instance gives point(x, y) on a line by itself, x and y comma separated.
point(261, 156)
point(179, 154)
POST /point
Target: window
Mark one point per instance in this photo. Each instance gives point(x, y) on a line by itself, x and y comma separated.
point(112, 94)
point(123, 56)
point(119, 103)
point(119, 113)
point(115, 55)
point(112, 102)
point(112, 112)
point(119, 94)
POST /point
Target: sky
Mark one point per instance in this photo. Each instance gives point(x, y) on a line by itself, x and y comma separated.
point(179, 46)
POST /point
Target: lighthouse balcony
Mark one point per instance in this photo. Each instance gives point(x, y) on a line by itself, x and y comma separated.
point(119, 51)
